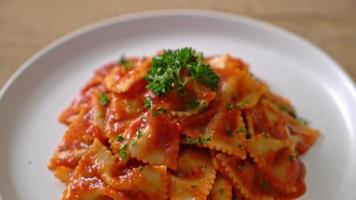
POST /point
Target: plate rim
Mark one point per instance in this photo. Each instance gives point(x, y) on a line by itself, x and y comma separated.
point(340, 74)
point(350, 85)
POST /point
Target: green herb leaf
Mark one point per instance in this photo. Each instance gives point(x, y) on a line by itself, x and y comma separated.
point(303, 121)
point(193, 103)
point(120, 138)
point(200, 140)
point(190, 140)
point(264, 185)
point(128, 64)
point(266, 135)
point(241, 129)
point(147, 103)
point(243, 103)
point(229, 106)
point(228, 130)
point(221, 190)
point(123, 148)
point(158, 111)
point(204, 140)
point(239, 167)
point(139, 133)
point(292, 156)
point(286, 109)
point(165, 72)
point(104, 99)
point(133, 142)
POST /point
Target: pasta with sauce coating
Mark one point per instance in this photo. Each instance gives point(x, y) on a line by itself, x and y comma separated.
point(181, 126)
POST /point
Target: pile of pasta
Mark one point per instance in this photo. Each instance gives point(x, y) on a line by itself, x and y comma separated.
point(240, 141)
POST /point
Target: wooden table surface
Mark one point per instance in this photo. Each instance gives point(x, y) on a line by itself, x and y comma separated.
point(26, 26)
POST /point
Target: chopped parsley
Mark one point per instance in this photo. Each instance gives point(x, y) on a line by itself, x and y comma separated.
point(266, 135)
point(190, 140)
point(221, 190)
point(229, 106)
point(204, 140)
point(158, 111)
point(242, 129)
point(166, 71)
point(264, 185)
point(284, 108)
point(302, 121)
point(133, 142)
point(239, 167)
point(228, 130)
point(147, 103)
point(292, 156)
point(123, 148)
point(193, 103)
point(104, 99)
point(180, 91)
point(239, 105)
point(243, 103)
point(120, 138)
point(203, 106)
point(200, 140)
point(128, 64)
point(139, 133)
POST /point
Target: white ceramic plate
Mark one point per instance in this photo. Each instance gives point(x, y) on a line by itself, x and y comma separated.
point(32, 99)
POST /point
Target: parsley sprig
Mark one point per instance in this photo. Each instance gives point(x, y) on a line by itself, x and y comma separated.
point(166, 71)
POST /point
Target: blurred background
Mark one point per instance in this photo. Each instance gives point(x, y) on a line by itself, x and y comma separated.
point(26, 26)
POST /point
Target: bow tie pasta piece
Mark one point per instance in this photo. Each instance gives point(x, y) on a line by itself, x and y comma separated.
point(240, 90)
point(86, 181)
point(123, 107)
point(85, 97)
point(281, 103)
point(244, 176)
point(122, 78)
point(267, 117)
point(87, 126)
point(302, 135)
point(151, 139)
point(226, 132)
point(264, 149)
point(194, 176)
point(277, 159)
point(294, 127)
point(98, 164)
point(254, 184)
point(222, 189)
point(264, 118)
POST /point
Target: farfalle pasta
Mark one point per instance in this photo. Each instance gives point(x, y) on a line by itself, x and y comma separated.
point(178, 126)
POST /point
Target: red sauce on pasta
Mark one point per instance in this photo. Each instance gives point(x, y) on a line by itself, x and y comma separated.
point(180, 127)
